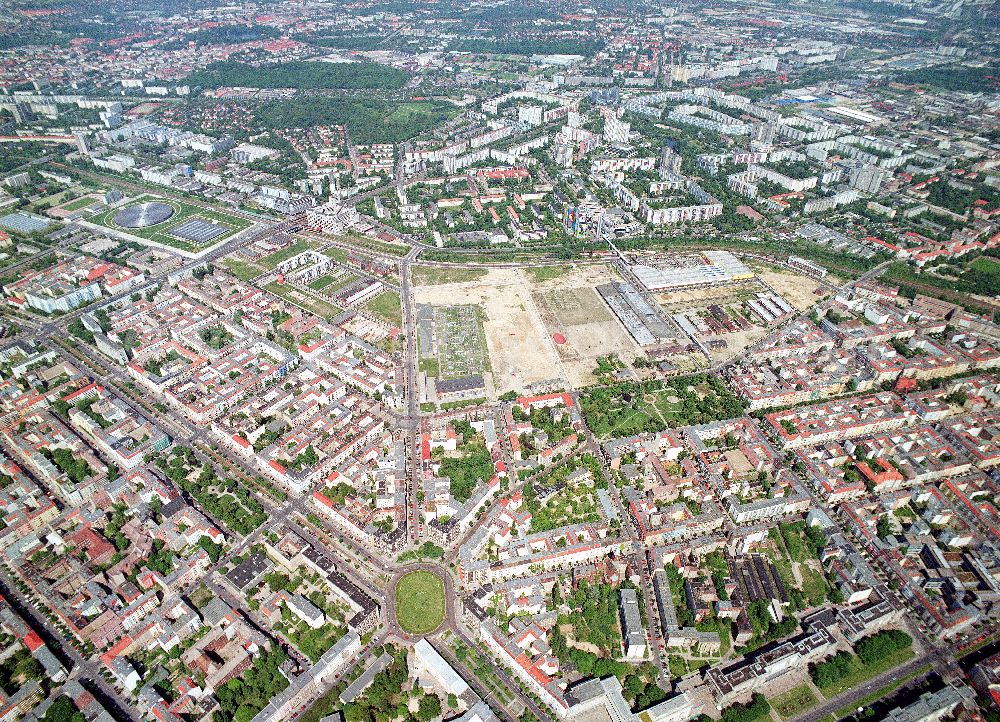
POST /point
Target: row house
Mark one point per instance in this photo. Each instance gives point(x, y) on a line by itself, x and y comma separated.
point(842, 419)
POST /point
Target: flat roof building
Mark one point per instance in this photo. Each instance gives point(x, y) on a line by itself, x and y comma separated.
point(429, 661)
point(633, 634)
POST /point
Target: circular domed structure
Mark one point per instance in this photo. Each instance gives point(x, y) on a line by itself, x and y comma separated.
point(143, 215)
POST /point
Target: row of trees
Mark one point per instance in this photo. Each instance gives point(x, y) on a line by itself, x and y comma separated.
point(982, 280)
point(756, 708)
point(871, 651)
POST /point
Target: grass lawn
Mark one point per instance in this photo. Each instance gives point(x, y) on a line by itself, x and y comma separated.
point(337, 254)
point(435, 276)
point(462, 403)
point(861, 672)
point(420, 602)
point(243, 270)
point(986, 265)
point(315, 642)
point(331, 284)
point(310, 303)
point(483, 670)
point(161, 232)
point(545, 273)
point(678, 667)
point(387, 305)
point(79, 203)
point(322, 282)
point(814, 584)
point(795, 701)
point(51, 201)
point(373, 244)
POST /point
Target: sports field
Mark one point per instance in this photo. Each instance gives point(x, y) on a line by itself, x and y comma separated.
point(79, 203)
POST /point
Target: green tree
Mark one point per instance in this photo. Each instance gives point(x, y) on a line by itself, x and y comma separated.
point(63, 710)
point(430, 707)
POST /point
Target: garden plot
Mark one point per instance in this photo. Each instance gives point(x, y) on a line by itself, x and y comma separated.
point(461, 341)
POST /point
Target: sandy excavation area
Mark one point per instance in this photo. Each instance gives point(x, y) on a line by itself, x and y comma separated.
point(523, 314)
point(520, 352)
point(800, 291)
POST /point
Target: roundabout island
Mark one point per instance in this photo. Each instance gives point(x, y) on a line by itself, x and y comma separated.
point(420, 606)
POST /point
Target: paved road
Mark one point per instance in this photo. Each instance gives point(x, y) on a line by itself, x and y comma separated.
point(410, 422)
point(639, 560)
point(501, 672)
point(481, 689)
point(450, 620)
point(939, 655)
point(368, 567)
point(939, 658)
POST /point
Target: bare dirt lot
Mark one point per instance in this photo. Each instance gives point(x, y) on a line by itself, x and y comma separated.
point(800, 291)
point(736, 342)
point(680, 300)
point(522, 315)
